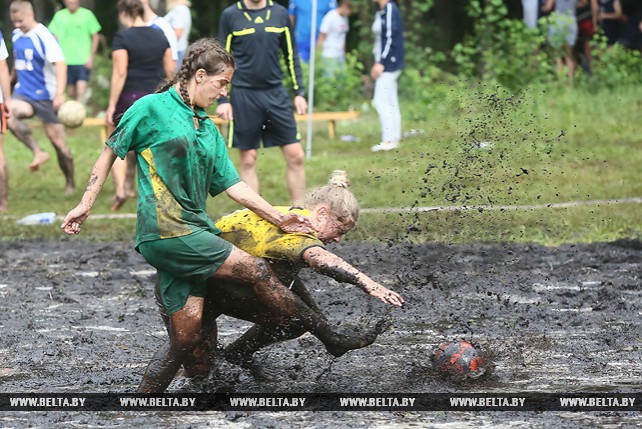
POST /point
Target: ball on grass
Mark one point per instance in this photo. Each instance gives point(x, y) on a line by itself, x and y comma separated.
point(459, 359)
point(72, 114)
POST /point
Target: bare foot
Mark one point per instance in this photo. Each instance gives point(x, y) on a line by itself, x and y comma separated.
point(69, 189)
point(4, 207)
point(38, 159)
point(131, 193)
point(118, 203)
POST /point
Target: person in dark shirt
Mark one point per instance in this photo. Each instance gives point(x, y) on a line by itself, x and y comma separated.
point(256, 32)
point(610, 19)
point(142, 59)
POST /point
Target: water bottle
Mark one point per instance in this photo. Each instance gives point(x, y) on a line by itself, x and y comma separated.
point(38, 219)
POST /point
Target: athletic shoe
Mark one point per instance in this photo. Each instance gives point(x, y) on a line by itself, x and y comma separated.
point(385, 146)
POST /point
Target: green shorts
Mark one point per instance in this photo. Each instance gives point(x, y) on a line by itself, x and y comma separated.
point(184, 264)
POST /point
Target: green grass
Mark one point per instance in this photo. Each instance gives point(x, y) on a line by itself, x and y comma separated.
point(546, 146)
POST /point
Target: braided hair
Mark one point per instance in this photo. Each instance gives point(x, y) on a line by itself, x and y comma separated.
point(207, 54)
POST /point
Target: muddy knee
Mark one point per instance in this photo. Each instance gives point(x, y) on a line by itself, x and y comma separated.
point(183, 341)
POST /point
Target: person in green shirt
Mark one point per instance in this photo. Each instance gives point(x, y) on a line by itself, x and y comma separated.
point(76, 29)
point(181, 159)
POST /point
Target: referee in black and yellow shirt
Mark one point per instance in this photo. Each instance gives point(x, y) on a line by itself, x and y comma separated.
point(256, 32)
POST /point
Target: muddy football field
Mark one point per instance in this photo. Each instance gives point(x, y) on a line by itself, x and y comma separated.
point(80, 317)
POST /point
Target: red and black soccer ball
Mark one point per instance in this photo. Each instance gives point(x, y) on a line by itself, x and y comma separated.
point(459, 359)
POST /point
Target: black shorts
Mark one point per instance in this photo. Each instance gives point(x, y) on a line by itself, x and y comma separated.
point(76, 73)
point(265, 114)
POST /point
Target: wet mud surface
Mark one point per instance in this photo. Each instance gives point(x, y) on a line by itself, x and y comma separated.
point(80, 317)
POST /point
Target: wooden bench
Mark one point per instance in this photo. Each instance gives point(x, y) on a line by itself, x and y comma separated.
point(330, 117)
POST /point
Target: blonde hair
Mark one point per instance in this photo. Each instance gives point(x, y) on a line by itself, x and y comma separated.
point(337, 197)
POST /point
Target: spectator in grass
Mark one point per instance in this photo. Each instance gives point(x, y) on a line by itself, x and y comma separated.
point(587, 11)
point(180, 18)
point(181, 161)
point(41, 72)
point(76, 29)
point(332, 38)
point(562, 34)
point(389, 61)
point(5, 100)
point(141, 60)
point(610, 19)
point(300, 12)
point(335, 211)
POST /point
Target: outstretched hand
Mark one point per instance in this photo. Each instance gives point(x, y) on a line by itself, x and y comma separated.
point(293, 222)
point(385, 295)
point(73, 220)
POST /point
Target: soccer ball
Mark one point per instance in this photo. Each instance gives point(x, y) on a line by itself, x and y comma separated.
point(72, 114)
point(459, 359)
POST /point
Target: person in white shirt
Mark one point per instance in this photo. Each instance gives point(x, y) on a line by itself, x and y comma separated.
point(332, 38)
point(180, 18)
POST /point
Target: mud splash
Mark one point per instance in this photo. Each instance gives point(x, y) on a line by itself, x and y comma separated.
point(80, 317)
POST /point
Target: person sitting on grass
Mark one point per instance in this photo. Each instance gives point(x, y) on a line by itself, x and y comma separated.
point(334, 210)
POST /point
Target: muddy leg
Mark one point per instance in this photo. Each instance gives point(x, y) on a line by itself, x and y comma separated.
point(56, 134)
point(202, 359)
point(243, 267)
point(185, 334)
point(257, 337)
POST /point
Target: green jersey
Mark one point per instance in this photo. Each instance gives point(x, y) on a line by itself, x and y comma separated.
point(74, 31)
point(178, 165)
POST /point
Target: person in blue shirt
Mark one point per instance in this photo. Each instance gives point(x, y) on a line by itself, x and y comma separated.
point(41, 70)
point(300, 12)
point(389, 61)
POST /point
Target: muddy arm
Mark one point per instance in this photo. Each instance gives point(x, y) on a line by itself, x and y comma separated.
point(331, 265)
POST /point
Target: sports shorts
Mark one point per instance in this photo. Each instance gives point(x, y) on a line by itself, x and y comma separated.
point(184, 264)
point(262, 114)
point(42, 108)
point(585, 29)
point(125, 101)
point(76, 73)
